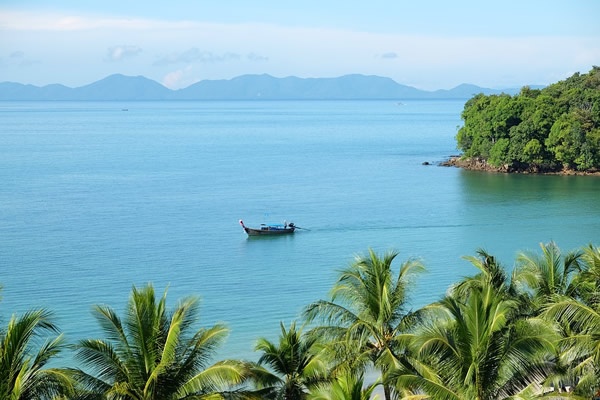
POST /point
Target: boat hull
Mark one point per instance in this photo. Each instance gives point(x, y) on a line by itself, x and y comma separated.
point(268, 232)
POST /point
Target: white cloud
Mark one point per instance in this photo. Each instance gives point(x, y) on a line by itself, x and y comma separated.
point(119, 53)
point(180, 78)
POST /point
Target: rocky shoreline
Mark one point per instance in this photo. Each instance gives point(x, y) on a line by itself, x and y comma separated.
point(480, 164)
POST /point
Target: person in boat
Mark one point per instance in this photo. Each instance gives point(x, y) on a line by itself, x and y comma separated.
point(284, 224)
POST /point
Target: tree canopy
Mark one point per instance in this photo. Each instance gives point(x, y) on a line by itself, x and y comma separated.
point(554, 128)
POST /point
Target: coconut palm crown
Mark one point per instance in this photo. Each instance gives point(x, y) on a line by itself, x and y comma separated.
point(296, 364)
point(581, 342)
point(474, 348)
point(23, 375)
point(368, 313)
point(154, 354)
point(346, 386)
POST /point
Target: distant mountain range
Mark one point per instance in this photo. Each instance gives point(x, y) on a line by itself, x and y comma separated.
point(245, 87)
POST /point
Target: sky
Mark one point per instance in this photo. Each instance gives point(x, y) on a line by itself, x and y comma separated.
point(429, 44)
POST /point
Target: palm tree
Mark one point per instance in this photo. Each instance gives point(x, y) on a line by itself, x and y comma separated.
point(581, 342)
point(153, 354)
point(367, 314)
point(474, 349)
point(549, 274)
point(296, 362)
point(347, 386)
point(22, 372)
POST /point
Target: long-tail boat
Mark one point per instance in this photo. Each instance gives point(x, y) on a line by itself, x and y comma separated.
point(269, 229)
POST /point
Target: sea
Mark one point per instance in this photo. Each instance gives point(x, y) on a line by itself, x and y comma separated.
point(96, 197)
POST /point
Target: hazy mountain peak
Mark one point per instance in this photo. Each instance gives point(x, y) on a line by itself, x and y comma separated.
point(244, 87)
point(467, 86)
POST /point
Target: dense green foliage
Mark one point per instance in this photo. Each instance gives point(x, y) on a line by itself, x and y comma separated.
point(345, 387)
point(154, 354)
point(494, 335)
point(297, 364)
point(552, 128)
point(23, 375)
point(367, 314)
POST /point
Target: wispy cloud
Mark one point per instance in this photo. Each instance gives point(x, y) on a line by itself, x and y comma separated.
point(19, 59)
point(119, 53)
point(256, 57)
point(389, 56)
point(230, 49)
point(196, 55)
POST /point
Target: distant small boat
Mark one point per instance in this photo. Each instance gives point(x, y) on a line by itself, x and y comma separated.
point(270, 229)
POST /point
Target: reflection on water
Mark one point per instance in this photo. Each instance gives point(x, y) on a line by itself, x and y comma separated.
point(527, 187)
point(289, 236)
point(518, 211)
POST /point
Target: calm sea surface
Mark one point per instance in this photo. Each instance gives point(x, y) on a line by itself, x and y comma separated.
point(94, 199)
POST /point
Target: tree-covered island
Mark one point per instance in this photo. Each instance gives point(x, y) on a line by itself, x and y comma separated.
point(555, 129)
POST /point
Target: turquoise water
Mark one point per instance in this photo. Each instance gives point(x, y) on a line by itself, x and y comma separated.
point(94, 199)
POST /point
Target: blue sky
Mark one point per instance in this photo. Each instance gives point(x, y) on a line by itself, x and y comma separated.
point(427, 44)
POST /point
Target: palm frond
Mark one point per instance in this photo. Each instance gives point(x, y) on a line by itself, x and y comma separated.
point(216, 378)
